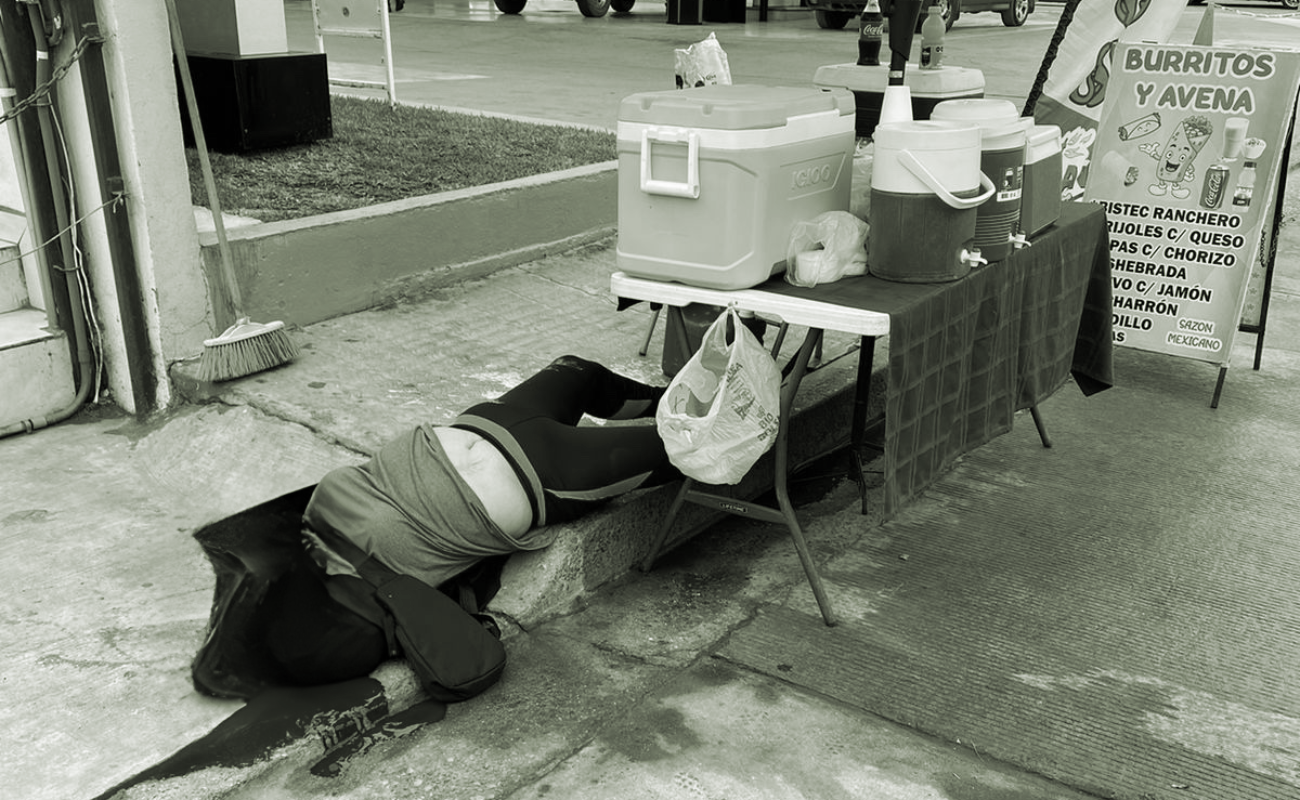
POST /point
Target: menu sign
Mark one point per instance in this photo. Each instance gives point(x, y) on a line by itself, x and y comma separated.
point(1186, 162)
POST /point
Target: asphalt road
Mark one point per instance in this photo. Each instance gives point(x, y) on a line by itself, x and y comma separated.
point(550, 62)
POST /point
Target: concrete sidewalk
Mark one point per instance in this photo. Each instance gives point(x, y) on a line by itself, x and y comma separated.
point(630, 688)
point(131, 609)
point(620, 693)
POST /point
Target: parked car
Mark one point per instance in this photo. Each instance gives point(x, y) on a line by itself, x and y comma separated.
point(835, 14)
point(1287, 3)
point(589, 8)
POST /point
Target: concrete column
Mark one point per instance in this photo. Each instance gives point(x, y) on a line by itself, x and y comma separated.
point(233, 27)
point(138, 61)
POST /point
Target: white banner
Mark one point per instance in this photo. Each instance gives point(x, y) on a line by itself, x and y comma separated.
point(1078, 77)
point(1187, 159)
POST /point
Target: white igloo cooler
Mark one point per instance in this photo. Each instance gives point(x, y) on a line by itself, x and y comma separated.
point(711, 180)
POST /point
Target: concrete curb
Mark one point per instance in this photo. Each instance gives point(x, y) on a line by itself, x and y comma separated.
point(606, 544)
point(309, 270)
point(603, 546)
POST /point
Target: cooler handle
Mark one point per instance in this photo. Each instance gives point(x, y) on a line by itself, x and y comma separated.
point(651, 185)
point(918, 169)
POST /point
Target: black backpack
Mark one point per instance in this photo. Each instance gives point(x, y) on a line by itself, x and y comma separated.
point(449, 644)
point(453, 649)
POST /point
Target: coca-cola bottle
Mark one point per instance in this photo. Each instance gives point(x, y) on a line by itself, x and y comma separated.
point(871, 31)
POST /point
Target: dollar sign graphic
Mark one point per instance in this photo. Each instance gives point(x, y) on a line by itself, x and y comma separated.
point(1130, 11)
point(1093, 90)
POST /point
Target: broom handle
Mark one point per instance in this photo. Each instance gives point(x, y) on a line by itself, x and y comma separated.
point(200, 144)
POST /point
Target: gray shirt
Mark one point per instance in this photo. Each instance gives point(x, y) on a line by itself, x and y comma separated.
point(411, 509)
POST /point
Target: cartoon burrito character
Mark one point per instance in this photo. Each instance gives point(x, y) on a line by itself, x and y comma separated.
point(1174, 162)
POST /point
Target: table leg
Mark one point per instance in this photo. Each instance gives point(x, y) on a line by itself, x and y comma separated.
point(1038, 423)
point(788, 392)
point(655, 308)
point(666, 525)
point(861, 402)
point(780, 339)
point(785, 512)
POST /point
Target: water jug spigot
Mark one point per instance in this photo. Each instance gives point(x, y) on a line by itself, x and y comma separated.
point(972, 258)
point(1020, 241)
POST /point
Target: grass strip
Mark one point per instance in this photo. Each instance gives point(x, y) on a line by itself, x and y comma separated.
point(379, 153)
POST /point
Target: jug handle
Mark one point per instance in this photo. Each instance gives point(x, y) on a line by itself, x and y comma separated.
point(690, 188)
point(918, 169)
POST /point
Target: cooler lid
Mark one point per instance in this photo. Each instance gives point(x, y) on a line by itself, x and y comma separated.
point(925, 134)
point(733, 108)
point(1045, 135)
point(1044, 141)
point(947, 81)
point(985, 112)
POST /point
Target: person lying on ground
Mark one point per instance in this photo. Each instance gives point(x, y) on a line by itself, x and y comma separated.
point(435, 501)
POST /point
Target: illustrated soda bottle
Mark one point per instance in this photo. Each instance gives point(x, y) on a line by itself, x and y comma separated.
point(1216, 177)
point(871, 31)
point(932, 31)
point(1245, 186)
point(1215, 187)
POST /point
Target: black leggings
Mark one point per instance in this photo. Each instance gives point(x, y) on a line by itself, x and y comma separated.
point(568, 468)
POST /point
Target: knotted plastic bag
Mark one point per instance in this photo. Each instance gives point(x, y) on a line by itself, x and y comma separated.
point(864, 163)
point(722, 410)
point(826, 248)
point(703, 64)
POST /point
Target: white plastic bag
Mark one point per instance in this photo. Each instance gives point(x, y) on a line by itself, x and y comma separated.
point(826, 248)
point(864, 162)
point(703, 64)
point(721, 412)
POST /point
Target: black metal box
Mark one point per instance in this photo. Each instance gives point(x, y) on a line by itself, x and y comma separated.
point(252, 102)
point(685, 12)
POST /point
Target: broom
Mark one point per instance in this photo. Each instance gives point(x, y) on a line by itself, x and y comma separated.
point(245, 347)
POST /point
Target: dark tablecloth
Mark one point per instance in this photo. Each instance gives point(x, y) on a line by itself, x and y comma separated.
point(964, 356)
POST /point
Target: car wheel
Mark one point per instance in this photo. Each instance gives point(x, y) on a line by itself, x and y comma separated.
point(510, 6)
point(832, 20)
point(1016, 14)
point(622, 6)
point(593, 8)
point(1291, 3)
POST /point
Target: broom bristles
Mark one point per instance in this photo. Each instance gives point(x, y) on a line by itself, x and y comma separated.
point(245, 348)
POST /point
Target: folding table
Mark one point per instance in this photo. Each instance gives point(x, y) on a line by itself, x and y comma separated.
point(964, 356)
point(818, 316)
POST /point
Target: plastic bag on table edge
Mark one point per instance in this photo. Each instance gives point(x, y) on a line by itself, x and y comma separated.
point(826, 248)
point(721, 412)
point(703, 64)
